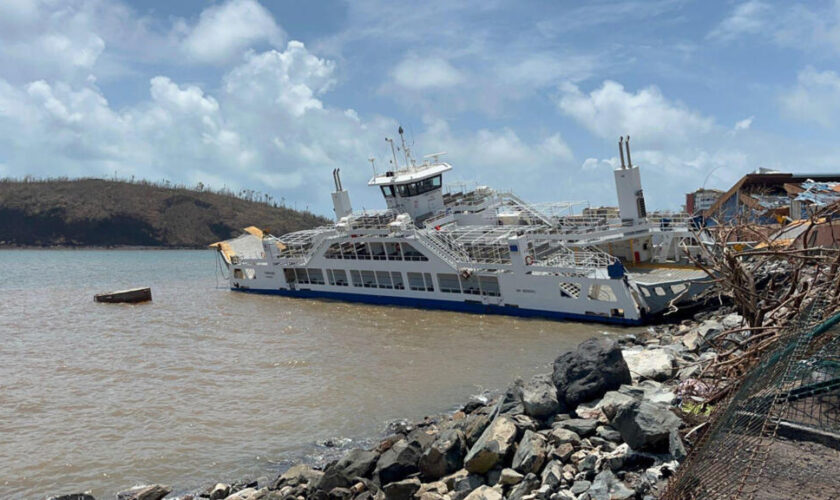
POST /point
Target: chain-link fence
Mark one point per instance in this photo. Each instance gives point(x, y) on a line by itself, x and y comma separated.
point(778, 435)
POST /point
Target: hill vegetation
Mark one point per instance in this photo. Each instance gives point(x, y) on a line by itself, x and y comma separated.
point(99, 212)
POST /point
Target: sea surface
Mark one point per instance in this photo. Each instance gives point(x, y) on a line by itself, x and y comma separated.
point(204, 385)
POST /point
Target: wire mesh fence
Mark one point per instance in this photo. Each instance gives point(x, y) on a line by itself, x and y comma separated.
point(792, 393)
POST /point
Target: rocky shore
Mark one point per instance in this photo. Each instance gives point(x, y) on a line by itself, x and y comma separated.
point(609, 422)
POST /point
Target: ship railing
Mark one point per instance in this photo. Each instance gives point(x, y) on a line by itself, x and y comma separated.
point(438, 220)
point(440, 247)
point(523, 206)
point(589, 257)
point(371, 219)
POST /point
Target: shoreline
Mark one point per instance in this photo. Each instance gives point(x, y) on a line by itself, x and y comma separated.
point(555, 436)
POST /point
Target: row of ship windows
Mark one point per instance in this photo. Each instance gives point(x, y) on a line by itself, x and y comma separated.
point(447, 283)
point(374, 251)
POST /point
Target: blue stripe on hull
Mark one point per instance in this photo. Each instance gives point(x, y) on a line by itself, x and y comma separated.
point(446, 305)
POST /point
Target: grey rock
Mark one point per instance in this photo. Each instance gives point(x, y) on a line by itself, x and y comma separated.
point(485, 493)
point(655, 392)
point(656, 364)
point(219, 491)
point(341, 493)
point(296, 475)
point(552, 475)
point(462, 480)
point(73, 496)
point(474, 427)
point(563, 451)
point(342, 474)
point(249, 494)
point(531, 453)
point(594, 368)
point(492, 447)
point(539, 397)
point(529, 483)
point(398, 462)
point(444, 456)
point(509, 477)
point(588, 463)
point(616, 459)
point(151, 492)
point(559, 435)
point(608, 433)
point(646, 426)
point(580, 486)
point(607, 487)
point(583, 427)
point(401, 490)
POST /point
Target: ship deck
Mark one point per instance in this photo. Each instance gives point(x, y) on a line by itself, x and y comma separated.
point(654, 275)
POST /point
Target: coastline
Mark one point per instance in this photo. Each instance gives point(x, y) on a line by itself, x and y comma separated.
point(570, 443)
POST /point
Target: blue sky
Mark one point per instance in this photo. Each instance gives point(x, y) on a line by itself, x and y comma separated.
point(528, 96)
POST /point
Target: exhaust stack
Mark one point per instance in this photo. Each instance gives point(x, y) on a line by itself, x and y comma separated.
point(627, 146)
point(340, 198)
point(621, 151)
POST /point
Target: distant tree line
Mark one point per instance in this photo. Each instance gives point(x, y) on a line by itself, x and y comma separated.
point(243, 194)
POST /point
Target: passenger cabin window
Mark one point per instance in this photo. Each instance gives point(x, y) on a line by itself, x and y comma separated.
point(411, 253)
point(470, 285)
point(489, 286)
point(384, 279)
point(316, 277)
point(356, 276)
point(419, 187)
point(448, 283)
point(368, 279)
point(396, 278)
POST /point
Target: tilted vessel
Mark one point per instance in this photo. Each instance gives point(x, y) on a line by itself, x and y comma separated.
point(480, 250)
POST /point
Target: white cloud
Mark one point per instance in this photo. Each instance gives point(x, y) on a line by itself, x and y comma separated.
point(748, 18)
point(744, 124)
point(291, 78)
point(224, 31)
point(610, 111)
point(815, 98)
point(423, 73)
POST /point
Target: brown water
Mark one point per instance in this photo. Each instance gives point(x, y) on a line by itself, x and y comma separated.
point(204, 384)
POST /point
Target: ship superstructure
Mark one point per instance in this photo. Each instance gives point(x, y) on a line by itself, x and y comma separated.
point(479, 250)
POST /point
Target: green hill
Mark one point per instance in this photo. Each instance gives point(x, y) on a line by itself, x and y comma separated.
point(98, 212)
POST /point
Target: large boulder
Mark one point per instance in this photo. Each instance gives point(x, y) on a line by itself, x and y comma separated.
point(444, 456)
point(539, 397)
point(492, 447)
point(646, 426)
point(654, 364)
point(398, 462)
point(531, 453)
point(594, 368)
point(343, 474)
point(152, 492)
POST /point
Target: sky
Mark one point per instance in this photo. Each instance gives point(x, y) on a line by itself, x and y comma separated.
point(523, 96)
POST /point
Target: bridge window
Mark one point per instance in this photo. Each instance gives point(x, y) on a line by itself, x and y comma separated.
point(449, 283)
point(387, 191)
point(419, 187)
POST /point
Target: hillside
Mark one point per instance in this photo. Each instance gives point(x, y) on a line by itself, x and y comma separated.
point(97, 212)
